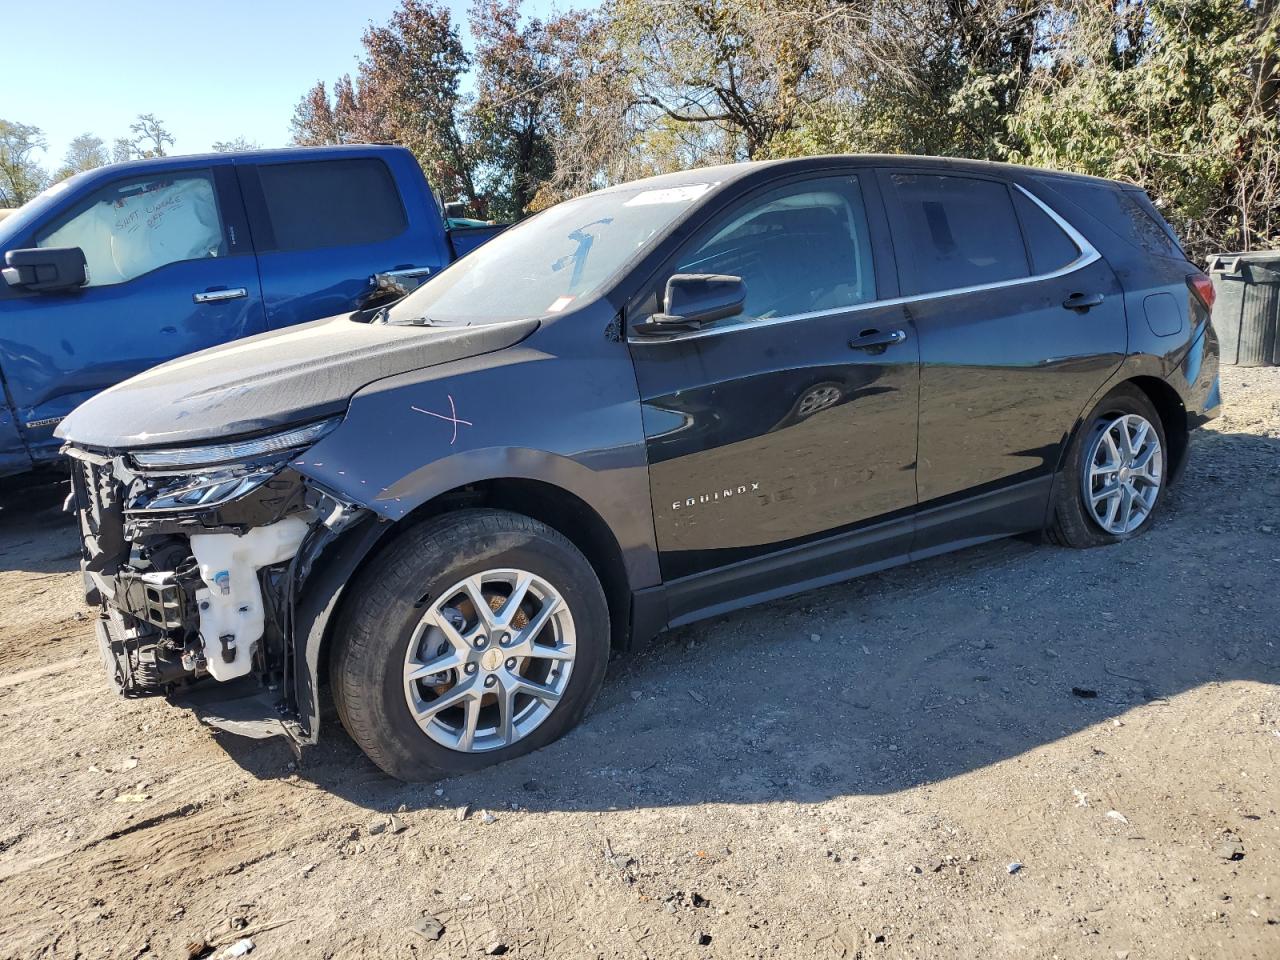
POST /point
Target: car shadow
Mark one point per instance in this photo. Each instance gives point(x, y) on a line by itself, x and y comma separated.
point(903, 678)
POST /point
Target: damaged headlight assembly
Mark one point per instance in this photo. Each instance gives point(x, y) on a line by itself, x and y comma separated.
point(188, 478)
point(206, 533)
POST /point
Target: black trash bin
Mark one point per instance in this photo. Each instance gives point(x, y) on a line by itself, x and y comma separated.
point(1246, 309)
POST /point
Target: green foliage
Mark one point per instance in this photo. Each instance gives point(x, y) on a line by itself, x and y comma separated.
point(21, 177)
point(1189, 113)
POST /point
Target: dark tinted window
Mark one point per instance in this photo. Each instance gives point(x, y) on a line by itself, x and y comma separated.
point(801, 248)
point(959, 232)
point(1122, 211)
point(1051, 249)
point(331, 203)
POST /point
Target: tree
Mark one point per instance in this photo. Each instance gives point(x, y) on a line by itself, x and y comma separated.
point(406, 91)
point(409, 81)
point(238, 145)
point(21, 177)
point(1178, 96)
point(149, 137)
point(522, 70)
point(85, 152)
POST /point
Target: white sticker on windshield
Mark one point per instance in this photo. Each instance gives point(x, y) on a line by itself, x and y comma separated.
point(559, 304)
point(670, 195)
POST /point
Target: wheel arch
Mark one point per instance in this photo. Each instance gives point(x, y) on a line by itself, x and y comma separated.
point(336, 560)
point(1173, 418)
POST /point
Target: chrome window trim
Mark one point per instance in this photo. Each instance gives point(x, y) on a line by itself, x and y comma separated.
point(1087, 256)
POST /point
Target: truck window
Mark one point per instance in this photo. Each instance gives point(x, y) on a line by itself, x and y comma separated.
point(134, 226)
point(330, 203)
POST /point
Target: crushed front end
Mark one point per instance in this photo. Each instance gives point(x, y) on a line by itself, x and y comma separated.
point(193, 557)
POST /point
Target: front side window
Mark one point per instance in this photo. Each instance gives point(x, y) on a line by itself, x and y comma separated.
point(330, 203)
point(135, 226)
point(802, 248)
point(958, 232)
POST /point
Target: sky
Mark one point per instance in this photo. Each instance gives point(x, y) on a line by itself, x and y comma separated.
point(209, 70)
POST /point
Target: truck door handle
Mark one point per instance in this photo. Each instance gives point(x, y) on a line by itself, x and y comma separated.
point(408, 273)
point(1082, 301)
point(217, 296)
point(876, 341)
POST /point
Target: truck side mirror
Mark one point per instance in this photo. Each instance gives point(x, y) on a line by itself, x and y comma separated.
point(46, 269)
point(693, 299)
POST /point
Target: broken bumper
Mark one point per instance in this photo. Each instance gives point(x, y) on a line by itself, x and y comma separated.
point(196, 596)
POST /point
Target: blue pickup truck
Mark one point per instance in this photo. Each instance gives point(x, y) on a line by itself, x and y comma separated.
point(121, 268)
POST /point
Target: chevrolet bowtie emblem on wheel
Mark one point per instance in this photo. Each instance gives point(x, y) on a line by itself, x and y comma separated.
point(739, 491)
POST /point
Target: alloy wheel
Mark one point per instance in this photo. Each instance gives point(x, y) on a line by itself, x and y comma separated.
point(489, 660)
point(1123, 474)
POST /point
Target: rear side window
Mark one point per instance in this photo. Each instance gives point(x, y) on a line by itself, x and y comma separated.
point(959, 232)
point(1050, 248)
point(1124, 213)
point(330, 203)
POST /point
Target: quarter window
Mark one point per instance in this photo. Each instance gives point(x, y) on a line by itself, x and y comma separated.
point(800, 249)
point(135, 226)
point(330, 203)
point(1050, 248)
point(958, 232)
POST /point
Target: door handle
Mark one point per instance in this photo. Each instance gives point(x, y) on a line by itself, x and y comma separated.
point(877, 341)
point(1082, 301)
point(217, 296)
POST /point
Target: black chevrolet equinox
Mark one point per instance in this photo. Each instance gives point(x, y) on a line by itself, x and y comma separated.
point(641, 407)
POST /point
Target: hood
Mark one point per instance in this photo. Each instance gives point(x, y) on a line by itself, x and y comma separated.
point(270, 381)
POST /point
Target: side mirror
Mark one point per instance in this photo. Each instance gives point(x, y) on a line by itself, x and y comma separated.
point(46, 269)
point(693, 299)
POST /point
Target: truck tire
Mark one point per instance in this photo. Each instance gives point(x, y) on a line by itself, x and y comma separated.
point(475, 637)
point(1115, 473)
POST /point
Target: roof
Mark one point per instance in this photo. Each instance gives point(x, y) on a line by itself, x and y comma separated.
point(728, 172)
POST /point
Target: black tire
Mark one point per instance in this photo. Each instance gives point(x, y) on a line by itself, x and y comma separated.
point(387, 601)
point(1072, 525)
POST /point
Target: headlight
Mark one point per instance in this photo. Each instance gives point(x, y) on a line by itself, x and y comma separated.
point(233, 451)
point(210, 488)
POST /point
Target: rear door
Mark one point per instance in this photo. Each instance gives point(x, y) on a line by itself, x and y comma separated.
point(1020, 322)
point(793, 421)
point(171, 271)
point(323, 227)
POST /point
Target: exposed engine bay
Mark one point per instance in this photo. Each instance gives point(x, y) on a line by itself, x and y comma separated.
point(192, 558)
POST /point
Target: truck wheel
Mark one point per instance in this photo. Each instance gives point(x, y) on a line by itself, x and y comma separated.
point(476, 637)
point(1115, 473)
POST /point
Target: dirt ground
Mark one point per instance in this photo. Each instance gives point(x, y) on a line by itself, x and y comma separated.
point(849, 773)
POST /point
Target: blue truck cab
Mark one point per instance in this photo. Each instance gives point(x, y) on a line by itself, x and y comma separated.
point(121, 268)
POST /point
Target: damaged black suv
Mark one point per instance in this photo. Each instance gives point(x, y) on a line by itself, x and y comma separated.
point(641, 407)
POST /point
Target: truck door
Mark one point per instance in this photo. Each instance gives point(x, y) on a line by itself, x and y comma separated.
point(171, 271)
point(323, 228)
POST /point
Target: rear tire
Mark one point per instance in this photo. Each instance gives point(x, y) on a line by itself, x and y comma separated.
point(415, 591)
point(1091, 498)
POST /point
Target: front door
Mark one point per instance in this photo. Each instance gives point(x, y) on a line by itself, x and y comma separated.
point(169, 274)
point(795, 420)
point(1020, 322)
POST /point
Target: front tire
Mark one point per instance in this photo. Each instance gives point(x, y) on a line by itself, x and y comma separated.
point(1115, 475)
point(476, 637)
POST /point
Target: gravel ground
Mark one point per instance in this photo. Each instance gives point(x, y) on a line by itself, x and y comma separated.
point(855, 772)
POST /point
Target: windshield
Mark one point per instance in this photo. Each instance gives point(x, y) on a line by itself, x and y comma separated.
point(552, 262)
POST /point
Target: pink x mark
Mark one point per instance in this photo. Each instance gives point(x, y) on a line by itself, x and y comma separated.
point(452, 418)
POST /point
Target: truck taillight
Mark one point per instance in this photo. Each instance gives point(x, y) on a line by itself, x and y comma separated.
point(1202, 287)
